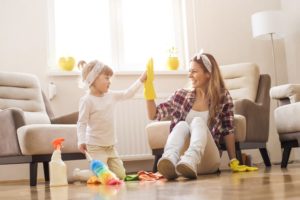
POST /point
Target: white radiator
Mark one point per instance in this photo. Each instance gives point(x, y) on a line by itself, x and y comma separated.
point(130, 122)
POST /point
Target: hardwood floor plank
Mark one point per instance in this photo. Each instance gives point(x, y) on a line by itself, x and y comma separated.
point(274, 183)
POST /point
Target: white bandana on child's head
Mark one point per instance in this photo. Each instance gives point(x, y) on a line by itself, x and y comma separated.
point(93, 74)
point(205, 60)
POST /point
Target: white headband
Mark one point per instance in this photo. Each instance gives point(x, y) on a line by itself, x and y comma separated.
point(205, 60)
point(93, 74)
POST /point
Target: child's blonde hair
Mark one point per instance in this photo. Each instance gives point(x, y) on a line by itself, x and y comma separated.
point(86, 68)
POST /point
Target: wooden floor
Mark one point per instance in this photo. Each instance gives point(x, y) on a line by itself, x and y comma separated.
point(266, 184)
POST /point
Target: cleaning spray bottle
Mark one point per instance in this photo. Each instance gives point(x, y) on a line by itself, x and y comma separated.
point(58, 169)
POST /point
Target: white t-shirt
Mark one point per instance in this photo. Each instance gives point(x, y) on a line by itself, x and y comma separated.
point(95, 124)
point(193, 113)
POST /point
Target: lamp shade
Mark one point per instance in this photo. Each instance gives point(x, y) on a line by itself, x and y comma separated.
point(267, 22)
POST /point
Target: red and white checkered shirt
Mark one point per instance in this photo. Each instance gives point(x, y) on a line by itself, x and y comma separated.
point(181, 102)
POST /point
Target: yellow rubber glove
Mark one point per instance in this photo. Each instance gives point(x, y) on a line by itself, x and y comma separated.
point(149, 91)
point(236, 167)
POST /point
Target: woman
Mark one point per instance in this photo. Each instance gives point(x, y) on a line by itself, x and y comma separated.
point(205, 115)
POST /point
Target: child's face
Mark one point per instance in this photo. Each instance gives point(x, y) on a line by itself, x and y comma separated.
point(102, 83)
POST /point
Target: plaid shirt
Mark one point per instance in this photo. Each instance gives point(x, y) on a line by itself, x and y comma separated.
point(181, 102)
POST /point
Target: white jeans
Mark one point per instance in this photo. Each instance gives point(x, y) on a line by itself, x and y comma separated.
point(202, 144)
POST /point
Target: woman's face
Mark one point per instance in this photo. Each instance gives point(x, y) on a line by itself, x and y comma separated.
point(198, 76)
point(102, 83)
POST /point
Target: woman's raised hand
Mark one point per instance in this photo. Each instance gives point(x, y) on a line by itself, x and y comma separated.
point(149, 91)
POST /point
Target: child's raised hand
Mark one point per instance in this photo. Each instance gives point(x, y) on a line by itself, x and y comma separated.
point(82, 148)
point(143, 77)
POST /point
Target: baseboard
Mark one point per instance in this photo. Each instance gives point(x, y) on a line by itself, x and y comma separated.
point(137, 158)
point(138, 165)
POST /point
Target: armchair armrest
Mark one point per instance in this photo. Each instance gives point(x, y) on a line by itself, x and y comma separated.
point(18, 117)
point(66, 119)
point(158, 133)
point(291, 91)
point(257, 119)
point(11, 119)
point(287, 118)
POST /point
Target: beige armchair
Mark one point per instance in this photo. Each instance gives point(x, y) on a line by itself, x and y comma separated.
point(287, 118)
point(249, 91)
point(28, 125)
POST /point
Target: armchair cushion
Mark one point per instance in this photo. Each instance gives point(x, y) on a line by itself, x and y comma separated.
point(36, 139)
point(291, 91)
point(241, 80)
point(23, 91)
point(287, 118)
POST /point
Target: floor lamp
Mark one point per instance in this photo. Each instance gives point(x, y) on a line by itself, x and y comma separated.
point(267, 25)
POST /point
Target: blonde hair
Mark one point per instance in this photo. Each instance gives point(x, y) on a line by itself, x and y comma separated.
point(85, 69)
point(216, 87)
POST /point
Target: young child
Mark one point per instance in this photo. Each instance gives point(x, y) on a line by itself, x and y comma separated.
point(95, 126)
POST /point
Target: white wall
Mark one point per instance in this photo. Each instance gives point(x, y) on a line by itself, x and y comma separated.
point(292, 38)
point(221, 27)
point(23, 36)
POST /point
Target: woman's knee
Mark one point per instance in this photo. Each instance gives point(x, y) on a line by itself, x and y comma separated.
point(182, 125)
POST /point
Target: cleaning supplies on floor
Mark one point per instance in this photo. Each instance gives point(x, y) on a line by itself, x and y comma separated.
point(105, 176)
point(58, 169)
point(149, 176)
point(144, 176)
point(236, 167)
point(132, 177)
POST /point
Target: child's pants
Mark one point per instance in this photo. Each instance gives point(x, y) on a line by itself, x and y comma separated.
point(202, 144)
point(109, 156)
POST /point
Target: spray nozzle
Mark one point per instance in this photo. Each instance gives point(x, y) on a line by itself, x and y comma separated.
point(57, 143)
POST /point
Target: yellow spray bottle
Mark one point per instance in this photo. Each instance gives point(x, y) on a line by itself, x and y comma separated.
point(58, 169)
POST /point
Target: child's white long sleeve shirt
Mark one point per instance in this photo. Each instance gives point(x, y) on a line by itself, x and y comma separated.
point(95, 124)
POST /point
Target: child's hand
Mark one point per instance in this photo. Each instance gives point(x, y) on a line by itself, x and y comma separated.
point(82, 148)
point(143, 77)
